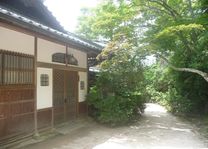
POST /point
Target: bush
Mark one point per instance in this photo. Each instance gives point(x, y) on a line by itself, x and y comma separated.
point(111, 105)
point(114, 109)
point(181, 93)
point(117, 96)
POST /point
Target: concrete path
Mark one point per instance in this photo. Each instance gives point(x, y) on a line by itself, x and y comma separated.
point(157, 129)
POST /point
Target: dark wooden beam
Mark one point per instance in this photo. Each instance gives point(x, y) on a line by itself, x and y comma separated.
point(62, 67)
point(36, 134)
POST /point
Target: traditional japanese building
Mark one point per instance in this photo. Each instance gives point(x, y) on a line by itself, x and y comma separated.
point(43, 70)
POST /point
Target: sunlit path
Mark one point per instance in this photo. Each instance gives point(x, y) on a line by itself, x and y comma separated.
point(157, 129)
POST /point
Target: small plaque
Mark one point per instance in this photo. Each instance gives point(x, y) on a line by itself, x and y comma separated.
point(82, 85)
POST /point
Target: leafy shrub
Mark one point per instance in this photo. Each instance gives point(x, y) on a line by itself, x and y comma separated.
point(114, 100)
point(114, 109)
point(117, 96)
point(179, 92)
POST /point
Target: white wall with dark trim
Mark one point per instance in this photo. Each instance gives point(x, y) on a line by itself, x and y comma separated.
point(46, 49)
point(15, 41)
point(80, 56)
point(82, 92)
point(44, 93)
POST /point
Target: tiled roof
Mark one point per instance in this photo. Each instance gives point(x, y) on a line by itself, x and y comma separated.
point(68, 37)
point(33, 9)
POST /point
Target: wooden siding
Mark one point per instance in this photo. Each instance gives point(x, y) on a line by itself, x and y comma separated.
point(16, 111)
point(83, 108)
point(17, 95)
point(44, 118)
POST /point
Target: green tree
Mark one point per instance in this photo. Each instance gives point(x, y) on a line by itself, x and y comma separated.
point(179, 31)
point(117, 96)
point(168, 25)
point(109, 20)
point(174, 30)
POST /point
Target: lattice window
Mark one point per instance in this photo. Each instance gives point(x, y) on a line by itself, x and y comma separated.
point(16, 68)
point(44, 80)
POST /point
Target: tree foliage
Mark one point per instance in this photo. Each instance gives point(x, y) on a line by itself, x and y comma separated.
point(117, 97)
point(175, 30)
point(109, 20)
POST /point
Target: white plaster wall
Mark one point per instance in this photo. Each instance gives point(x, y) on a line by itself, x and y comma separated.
point(83, 93)
point(15, 41)
point(80, 56)
point(44, 93)
point(47, 48)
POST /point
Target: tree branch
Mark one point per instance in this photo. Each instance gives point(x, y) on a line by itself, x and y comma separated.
point(172, 11)
point(157, 10)
point(191, 8)
point(201, 73)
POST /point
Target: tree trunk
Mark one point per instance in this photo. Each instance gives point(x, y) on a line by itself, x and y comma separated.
point(201, 73)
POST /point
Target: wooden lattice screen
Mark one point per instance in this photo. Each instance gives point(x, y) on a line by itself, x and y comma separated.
point(16, 68)
point(17, 95)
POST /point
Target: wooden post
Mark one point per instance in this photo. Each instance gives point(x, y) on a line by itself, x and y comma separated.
point(36, 133)
point(87, 83)
point(66, 55)
point(52, 112)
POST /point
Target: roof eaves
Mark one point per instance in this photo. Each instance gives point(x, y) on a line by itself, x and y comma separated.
point(49, 29)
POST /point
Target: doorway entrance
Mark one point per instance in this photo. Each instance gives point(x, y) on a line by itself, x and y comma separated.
point(65, 95)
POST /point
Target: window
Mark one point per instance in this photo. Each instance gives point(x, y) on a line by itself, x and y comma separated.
point(63, 58)
point(16, 68)
point(44, 80)
point(82, 85)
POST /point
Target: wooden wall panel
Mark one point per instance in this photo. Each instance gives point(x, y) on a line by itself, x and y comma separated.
point(83, 108)
point(16, 112)
point(20, 124)
point(44, 118)
point(3, 128)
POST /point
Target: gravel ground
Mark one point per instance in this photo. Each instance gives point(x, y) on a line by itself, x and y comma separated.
point(157, 129)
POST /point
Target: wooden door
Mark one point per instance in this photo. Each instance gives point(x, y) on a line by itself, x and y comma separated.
point(71, 95)
point(65, 95)
point(58, 96)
